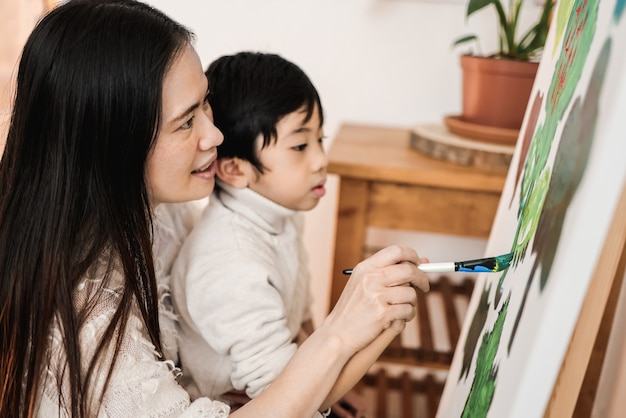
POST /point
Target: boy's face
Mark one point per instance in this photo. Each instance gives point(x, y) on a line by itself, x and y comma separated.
point(295, 164)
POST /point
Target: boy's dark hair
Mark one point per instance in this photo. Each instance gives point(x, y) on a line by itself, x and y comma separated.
point(249, 93)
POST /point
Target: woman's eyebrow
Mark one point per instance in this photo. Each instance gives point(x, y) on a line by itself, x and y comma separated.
point(189, 109)
point(185, 113)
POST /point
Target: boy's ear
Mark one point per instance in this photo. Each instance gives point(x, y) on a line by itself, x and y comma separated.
point(233, 171)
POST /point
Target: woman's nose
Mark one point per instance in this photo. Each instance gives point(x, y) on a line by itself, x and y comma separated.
point(211, 136)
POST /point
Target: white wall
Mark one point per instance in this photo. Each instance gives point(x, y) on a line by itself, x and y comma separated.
point(17, 19)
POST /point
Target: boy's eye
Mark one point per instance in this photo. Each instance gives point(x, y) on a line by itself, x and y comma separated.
point(299, 147)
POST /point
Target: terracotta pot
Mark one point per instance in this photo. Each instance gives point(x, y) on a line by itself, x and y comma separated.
point(496, 91)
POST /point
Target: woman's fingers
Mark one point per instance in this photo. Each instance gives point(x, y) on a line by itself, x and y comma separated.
point(404, 273)
point(401, 312)
point(398, 266)
point(398, 303)
point(398, 325)
point(400, 294)
point(381, 293)
point(390, 255)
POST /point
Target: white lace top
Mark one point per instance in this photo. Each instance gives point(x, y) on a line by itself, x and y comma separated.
point(140, 386)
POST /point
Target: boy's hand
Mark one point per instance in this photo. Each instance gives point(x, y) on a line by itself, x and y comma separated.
point(352, 405)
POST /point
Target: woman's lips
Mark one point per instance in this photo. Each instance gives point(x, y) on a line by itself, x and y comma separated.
point(207, 172)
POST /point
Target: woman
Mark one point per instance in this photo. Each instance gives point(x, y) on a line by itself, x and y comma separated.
point(110, 119)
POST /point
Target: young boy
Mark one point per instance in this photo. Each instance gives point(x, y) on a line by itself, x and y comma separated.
point(241, 284)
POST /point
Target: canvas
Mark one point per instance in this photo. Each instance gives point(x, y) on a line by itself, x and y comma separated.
point(565, 180)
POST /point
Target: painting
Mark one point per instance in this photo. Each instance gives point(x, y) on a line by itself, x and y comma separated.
point(564, 183)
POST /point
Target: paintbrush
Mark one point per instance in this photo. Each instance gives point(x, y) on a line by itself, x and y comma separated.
point(480, 265)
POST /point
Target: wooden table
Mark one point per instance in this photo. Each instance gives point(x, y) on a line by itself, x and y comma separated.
point(385, 183)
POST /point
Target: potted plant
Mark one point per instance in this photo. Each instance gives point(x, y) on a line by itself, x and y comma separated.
point(496, 87)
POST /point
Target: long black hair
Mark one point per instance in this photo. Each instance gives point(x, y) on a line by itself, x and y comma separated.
point(72, 189)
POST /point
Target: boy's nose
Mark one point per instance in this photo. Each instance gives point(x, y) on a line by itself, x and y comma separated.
point(321, 160)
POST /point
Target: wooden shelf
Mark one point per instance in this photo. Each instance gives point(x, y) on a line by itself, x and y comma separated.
point(402, 395)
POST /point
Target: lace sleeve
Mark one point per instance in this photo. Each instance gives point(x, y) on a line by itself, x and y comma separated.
point(143, 386)
point(140, 384)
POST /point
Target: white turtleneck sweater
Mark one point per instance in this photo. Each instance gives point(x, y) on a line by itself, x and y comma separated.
point(240, 288)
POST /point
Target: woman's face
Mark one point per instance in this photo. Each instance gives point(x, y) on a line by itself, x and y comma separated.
point(181, 166)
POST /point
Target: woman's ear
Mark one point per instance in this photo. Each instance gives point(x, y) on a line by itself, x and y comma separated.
point(233, 171)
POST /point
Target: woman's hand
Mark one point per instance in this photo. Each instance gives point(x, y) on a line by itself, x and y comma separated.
point(380, 291)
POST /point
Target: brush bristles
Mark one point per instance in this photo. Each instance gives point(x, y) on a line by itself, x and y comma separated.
point(503, 262)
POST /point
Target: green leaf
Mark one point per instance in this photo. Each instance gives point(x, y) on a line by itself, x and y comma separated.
point(476, 5)
point(534, 40)
point(531, 43)
point(504, 27)
point(464, 40)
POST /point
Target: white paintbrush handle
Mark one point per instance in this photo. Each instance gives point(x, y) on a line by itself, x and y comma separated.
point(437, 267)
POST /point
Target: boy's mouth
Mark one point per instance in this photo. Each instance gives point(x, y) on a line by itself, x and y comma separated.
point(319, 190)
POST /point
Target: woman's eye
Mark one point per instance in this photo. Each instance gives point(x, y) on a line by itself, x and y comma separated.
point(188, 124)
point(299, 147)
